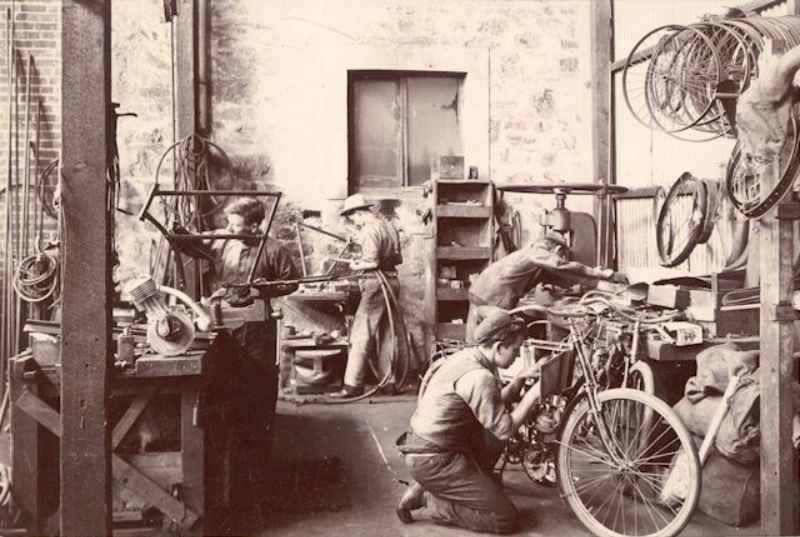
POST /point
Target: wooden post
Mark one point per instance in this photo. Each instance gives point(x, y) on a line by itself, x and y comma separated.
point(86, 313)
point(778, 462)
point(603, 122)
point(185, 113)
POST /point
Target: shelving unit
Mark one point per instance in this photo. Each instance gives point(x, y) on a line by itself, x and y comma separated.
point(463, 233)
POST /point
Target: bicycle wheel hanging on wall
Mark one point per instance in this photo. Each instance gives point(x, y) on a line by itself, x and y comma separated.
point(744, 176)
point(682, 220)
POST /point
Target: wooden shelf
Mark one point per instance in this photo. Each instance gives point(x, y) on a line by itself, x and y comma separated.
point(449, 294)
point(463, 211)
point(463, 252)
point(451, 331)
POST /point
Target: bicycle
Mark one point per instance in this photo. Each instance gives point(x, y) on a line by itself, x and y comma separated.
point(615, 447)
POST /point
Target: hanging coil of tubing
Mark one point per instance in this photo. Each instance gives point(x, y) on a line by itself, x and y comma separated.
point(36, 277)
point(191, 158)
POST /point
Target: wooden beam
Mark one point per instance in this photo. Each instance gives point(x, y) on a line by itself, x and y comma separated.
point(123, 471)
point(86, 319)
point(132, 414)
point(778, 461)
point(603, 121)
point(186, 68)
point(185, 25)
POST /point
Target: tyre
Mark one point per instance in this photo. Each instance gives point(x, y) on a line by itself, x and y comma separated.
point(645, 483)
point(640, 377)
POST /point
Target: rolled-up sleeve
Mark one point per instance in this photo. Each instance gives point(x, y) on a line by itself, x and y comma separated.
point(481, 392)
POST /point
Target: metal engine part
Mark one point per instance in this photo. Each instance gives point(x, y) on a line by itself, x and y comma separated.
point(539, 463)
point(170, 330)
point(172, 335)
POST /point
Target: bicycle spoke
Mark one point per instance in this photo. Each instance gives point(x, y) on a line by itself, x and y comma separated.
point(602, 459)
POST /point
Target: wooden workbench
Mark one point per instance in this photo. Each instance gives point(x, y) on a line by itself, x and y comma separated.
point(194, 481)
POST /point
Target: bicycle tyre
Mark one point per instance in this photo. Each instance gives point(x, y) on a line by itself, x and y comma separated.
point(641, 378)
point(672, 254)
point(643, 485)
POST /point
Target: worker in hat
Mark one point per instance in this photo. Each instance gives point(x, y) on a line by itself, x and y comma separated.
point(379, 242)
point(462, 424)
point(547, 260)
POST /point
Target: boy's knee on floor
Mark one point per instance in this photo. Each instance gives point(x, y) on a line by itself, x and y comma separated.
point(507, 520)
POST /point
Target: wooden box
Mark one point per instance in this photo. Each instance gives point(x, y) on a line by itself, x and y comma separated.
point(668, 296)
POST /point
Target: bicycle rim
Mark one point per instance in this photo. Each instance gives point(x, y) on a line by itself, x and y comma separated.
point(633, 491)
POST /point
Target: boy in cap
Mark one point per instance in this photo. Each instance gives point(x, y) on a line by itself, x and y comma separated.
point(380, 250)
point(460, 427)
point(505, 281)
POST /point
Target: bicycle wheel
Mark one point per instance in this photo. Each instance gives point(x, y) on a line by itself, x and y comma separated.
point(617, 491)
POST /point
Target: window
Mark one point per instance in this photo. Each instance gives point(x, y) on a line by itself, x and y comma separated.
point(399, 121)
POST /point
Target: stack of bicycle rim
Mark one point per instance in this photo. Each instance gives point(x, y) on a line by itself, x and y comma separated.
point(684, 80)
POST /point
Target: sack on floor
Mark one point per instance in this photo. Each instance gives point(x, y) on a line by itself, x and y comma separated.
point(730, 492)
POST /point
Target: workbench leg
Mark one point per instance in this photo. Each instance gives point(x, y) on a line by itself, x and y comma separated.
point(25, 450)
point(194, 462)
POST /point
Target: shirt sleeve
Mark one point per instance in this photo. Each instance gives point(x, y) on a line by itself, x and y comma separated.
point(481, 392)
point(370, 243)
point(544, 257)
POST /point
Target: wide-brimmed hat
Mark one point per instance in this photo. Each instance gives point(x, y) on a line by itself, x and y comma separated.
point(354, 203)
point(494, 324)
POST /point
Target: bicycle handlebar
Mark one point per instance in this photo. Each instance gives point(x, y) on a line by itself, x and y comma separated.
point(582, 309)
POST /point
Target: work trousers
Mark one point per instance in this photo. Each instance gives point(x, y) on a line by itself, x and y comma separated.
point(463, 492)
point(370, 334)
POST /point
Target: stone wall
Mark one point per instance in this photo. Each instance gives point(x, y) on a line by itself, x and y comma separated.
point(279, 92)
point(278, 86)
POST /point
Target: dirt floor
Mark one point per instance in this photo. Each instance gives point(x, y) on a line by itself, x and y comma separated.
point(336, 472)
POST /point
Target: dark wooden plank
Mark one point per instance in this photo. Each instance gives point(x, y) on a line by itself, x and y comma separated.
point(150, 491)
point(169, 366)
point(86, 336)
point(463, 211)
point(451, 331)
point(41, 412)
point(463, 252)
point(602, 38)
point(132, 413)
point(25, 455)
point(193, 450)
point(778, 461)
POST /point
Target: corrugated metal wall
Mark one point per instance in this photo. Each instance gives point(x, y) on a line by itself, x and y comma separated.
point(645, 158)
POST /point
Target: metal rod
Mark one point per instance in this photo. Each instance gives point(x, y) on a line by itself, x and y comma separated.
point(299, 239)
point(263, 243)
point(324, 232)
point(201, 192)
point(6, 311)
point(26, 174)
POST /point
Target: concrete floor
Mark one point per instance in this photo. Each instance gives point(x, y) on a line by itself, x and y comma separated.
point(337, 472)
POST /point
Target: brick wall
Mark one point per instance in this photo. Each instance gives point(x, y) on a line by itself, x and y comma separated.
point(36, 72)
point(36, 36)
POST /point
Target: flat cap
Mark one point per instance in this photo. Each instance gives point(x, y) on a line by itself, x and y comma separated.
point(495, 324)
